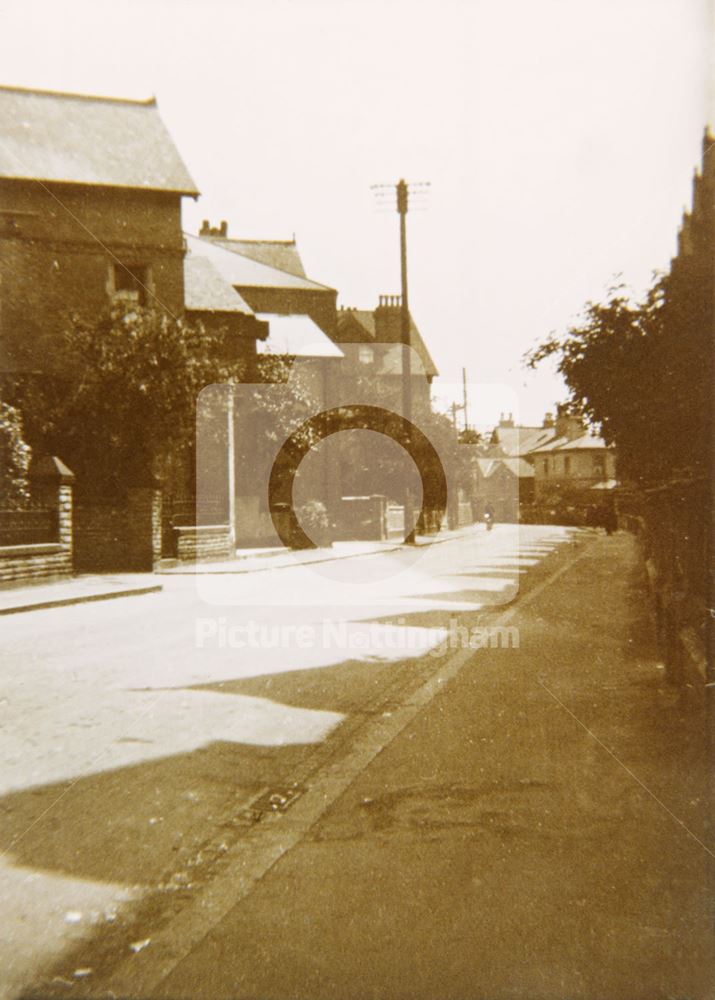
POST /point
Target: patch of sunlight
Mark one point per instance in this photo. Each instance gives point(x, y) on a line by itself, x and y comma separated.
point(164, 723)
point(44, 915)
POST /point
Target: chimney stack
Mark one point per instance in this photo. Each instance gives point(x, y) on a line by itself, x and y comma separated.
point(567, 425)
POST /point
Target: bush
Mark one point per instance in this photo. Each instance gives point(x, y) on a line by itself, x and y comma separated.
point(15, 457)
point(313, 518)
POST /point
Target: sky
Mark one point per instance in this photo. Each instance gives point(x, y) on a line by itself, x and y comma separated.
point(558, 137)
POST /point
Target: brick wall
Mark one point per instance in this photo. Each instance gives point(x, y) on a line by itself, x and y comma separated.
point(60, 257)
point(100, 532)
point(34, 563)
point(203, 543)
point(124, 535)
point(52, 485)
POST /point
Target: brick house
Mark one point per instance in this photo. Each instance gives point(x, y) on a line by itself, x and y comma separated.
point(505, 483)
point(553, 465)
point(212, 301)
point(372, 343)
point(90, 209)
point(299, 316)
point(269, 275)
point(572, 465)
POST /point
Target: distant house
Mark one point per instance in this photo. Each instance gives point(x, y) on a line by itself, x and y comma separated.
point(557, 464)
point(90, 211)
point(512, 440)
point(505, 483)
point(372, 342)
point(573, 465)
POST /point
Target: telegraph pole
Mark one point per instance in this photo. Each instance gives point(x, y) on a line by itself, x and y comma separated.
point(402, 191)
point(402, 206)
point(464, 401)
point(231, 470)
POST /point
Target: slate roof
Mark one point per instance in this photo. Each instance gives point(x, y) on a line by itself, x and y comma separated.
point(586, 442)
point(298, 336)
point(78, 139)
point(243, 272)
point(206, 291)
point(281, 254)
point(515, 441)
point(362, 321)
point(552, 445)
point(517, 466)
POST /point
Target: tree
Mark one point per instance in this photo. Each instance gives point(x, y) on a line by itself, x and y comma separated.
point(15, 457)
point(124, 401)
point(632, 369)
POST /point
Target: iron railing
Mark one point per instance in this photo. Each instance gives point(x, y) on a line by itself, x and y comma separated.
point(35, 526)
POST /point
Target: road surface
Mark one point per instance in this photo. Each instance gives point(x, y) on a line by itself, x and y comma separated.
point(315, 783)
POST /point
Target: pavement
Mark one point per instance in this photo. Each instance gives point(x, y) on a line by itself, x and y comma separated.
point(278, 557)
point(100, 587)
point(76, 590)
point(192, 809)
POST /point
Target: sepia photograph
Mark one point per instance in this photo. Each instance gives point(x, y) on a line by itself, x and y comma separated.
point(357, 537)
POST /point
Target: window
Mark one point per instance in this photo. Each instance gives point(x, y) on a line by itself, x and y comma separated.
point(599, 466)
point(366, 355)
point(131, 283)
point(546, 466)
point(567, 464)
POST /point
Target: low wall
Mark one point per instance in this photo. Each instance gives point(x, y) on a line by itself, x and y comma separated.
point(51, 559)
point(203, 543)
point(34, 563)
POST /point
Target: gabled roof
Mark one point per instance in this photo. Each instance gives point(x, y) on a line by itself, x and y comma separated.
point(243, 272)
point(390, 363)
point(78, 139)
point(206, 291)
point(516, 466)
point(358, 326)
point(281, 254)
point(515, 441)
point(355, 325)
point(519, 467)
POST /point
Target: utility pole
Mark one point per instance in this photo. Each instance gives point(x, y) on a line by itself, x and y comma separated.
point(464, 401)
point(231, 468)
point(402, 206)
point(402, 191)
point(455, 408)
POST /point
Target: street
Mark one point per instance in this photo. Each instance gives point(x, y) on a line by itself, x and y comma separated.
point(457, 772)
